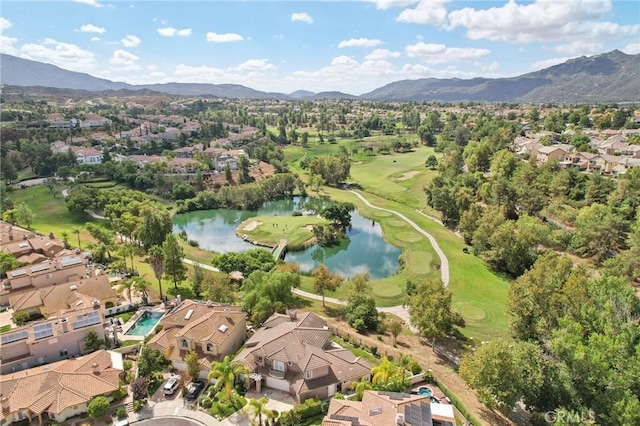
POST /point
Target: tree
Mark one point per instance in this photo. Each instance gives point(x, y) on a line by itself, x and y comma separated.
point(192, 360)
point(126, 285)
point(8, 171)
point(8, 262)
point(599, 232)
point(432, 162)
point(268, 292)
point(150, 361)
point(156, 259)
point(92, 342)
point(227, 173)
point(173, 255)
point(503, 373)
point(154, 225)
point(218, 287)
point(361, 386)
point(140, 388)
point(324, 280)
point(225, 373)
point(141, 285)
point(24, 214)
point(361, 312)
point(430, 310)
point(383, 372)
point(76, 231)
point(395, 328)
point(197, 277)
point(258, 259)
point(98, 407)
point(259, 408)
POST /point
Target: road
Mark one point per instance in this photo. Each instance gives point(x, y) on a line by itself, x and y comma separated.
point(444, 262)
point(202, 265)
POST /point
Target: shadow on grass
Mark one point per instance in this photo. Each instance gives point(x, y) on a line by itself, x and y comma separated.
point(334, 311)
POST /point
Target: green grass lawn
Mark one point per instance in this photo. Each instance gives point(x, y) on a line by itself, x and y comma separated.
point(5, 328)
point(269, 230)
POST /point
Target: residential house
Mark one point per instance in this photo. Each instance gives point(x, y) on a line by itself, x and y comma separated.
point(221, 157)
point(188, 151)
point(211, 330)
point(603, 163)
point(31, 249)
point(578, 160)
point(182, 166)
point(55, 271)
point(86, 155)
point(389, 409)
point(57, 121)
point(92, 120)
point(550, 153)
point(624, 165)
point(51, 300)
point(43, 342)
point(57, 391)
point(293, 353)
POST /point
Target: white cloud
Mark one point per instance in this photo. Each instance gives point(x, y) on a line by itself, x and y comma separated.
point(90, 28)
point(388, 4)
point(632, 48)
point(93, 3)
point(301, 17)
point(360, 42)
point(580, 47)
point(5, 24)
point(172, 32)
point(426, 12)
point(379, 54)
point(7, 45)
point(439, 53)
point(124, 60)
point(255, 65)
point(546, 63)
point(540, 21)
point(95, 38)
point(64, 55)
point(131, 41)
point(224, 38)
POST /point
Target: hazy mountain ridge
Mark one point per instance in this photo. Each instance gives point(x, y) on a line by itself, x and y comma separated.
point(612, 76)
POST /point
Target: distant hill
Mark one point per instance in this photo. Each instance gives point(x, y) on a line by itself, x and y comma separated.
point(613, 76)
point(609, 77)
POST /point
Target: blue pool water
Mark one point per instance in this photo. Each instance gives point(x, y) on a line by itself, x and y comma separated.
point(423, 390)
point(145, 324)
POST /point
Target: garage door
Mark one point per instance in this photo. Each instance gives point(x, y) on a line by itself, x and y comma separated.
point(279, 384)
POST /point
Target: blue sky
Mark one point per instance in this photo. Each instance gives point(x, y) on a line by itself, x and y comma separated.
point(283, 46)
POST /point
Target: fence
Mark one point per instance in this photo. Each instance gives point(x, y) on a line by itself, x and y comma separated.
point(120, 309)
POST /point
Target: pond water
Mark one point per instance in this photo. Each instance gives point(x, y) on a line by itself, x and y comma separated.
point(364, 249)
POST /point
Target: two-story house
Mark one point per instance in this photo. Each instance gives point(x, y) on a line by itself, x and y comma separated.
point(48, 341)
point(55, 392)
point(50, 272)
point(211, 330)
point(293, 353)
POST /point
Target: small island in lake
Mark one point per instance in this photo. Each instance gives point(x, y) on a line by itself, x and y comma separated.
point(268, 231)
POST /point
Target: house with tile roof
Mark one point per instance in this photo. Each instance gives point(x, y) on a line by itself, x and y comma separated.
point(389, 408)
point(293, 353)
point(29, 248)
point(56, 338)
point(60, 390)
point(211, 330)
point(44, 274)
point(50, 300)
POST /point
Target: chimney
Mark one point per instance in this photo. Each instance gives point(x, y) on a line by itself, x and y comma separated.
point(94, 368)
point(293, 314)
point(65, 325)
point(51, 236)
point(179, 298)
point(5, 402)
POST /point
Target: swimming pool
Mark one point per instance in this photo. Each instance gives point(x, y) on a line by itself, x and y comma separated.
point(145, 324)
point(423, 390)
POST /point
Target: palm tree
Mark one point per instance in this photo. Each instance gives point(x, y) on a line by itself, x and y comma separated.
point(405, 363)
point(156, 258)
point(259, 409)
point(225, 373)
point(141, 285)
point(125, 285)
point(383, 371)
point(77, 232)
point(361, 386)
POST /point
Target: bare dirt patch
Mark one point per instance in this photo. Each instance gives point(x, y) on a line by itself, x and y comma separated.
point(408, 175)
point(252, 225)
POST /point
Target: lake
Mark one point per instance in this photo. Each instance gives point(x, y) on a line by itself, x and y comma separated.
point(364, 249)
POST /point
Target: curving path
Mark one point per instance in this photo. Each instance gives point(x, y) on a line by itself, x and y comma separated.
point(444, 262)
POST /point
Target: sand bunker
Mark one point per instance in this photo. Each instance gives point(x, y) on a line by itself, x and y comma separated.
point(252, 225)
point(408, 175)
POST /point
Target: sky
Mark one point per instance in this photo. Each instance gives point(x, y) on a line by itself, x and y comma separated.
point(284, 46)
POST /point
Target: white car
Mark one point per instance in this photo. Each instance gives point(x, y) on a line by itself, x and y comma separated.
point(172, 384)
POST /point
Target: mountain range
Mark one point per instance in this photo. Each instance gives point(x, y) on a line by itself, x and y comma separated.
point(608, 77)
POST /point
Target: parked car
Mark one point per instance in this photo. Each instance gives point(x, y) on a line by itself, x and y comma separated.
point(194, 390)
point(172, 385)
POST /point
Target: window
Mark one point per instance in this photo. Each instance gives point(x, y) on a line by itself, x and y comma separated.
point(210, 347)
point(64, 353)
point(308, 374)
point(185, 344)
point(278, 365)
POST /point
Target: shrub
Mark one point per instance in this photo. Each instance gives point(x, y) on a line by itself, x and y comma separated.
point(121, 413)
point(416, 368)
point(98, 407)
point(296, 213)
point(374, 350)
point(379, 337)
point(206, 402)
point(138, 404)
point(194, 243)
point(309, 408)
